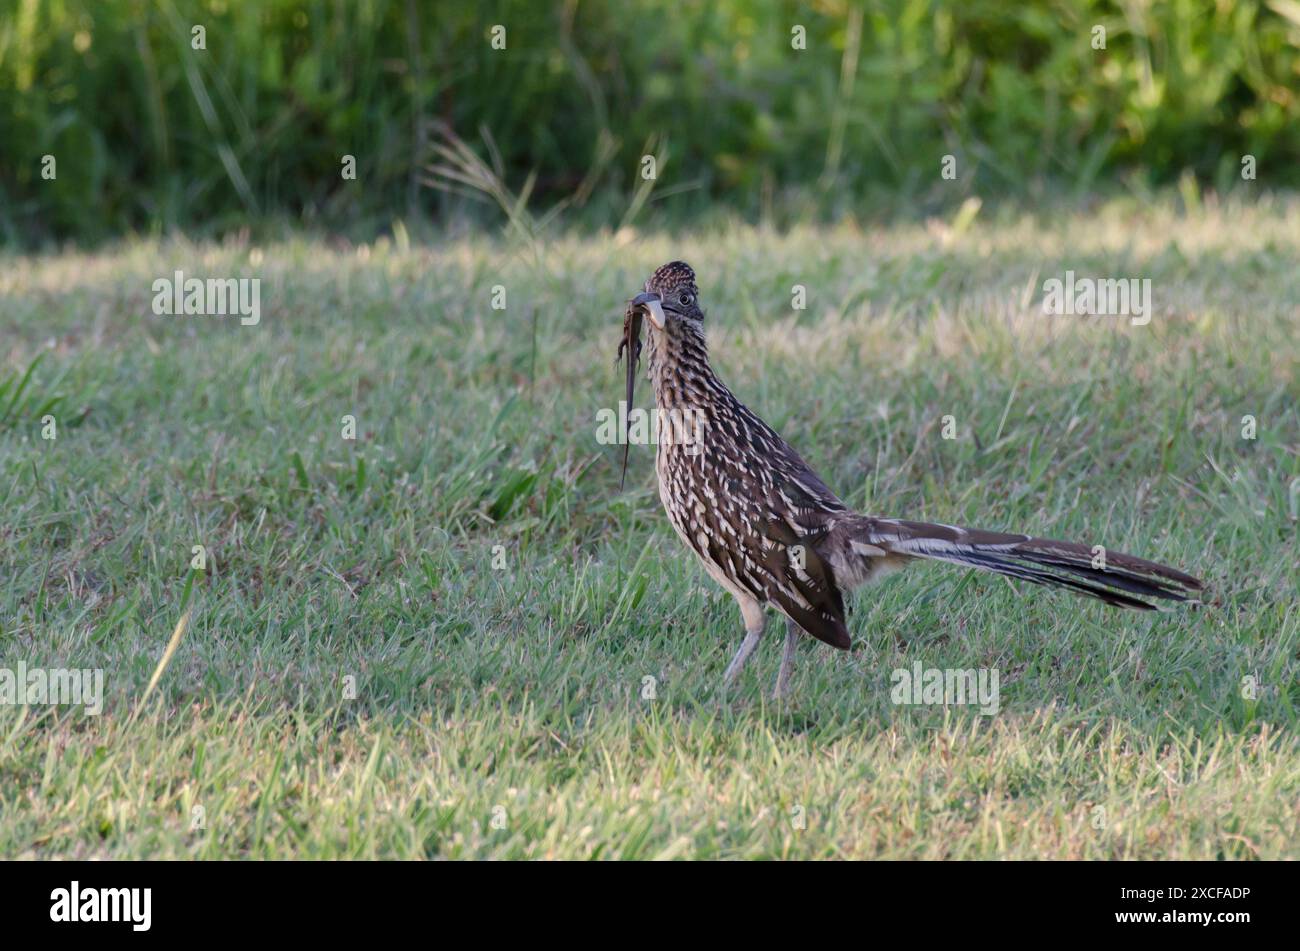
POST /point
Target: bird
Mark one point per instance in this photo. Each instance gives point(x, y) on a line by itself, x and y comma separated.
point(771, 533)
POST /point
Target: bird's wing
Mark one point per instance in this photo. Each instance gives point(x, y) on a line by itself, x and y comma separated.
point(803, 583)
point(800, 511)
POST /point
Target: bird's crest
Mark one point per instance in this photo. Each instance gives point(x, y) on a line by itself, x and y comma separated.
point(670, 277)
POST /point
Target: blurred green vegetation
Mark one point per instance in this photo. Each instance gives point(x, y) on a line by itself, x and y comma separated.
point(151, 135)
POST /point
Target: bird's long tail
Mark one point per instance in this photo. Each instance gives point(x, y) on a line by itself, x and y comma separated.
point(1113, 577)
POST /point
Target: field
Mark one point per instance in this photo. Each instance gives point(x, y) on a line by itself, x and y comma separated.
point(433, 640)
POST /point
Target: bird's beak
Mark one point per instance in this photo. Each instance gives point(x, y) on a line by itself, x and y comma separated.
point(654, 310)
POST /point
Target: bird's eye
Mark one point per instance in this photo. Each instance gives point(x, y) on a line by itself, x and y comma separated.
point(686, 299)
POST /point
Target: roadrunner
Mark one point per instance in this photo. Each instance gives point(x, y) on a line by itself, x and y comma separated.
point(769, 530)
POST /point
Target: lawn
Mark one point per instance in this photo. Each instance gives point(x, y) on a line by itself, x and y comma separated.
point(435, 639)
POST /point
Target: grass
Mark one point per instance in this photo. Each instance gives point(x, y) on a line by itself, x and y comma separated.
point(362, 678)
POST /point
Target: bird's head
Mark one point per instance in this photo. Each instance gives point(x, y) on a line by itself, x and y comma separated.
point(671, 295)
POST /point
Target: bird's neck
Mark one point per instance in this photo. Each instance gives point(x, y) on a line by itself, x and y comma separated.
point(678, 367)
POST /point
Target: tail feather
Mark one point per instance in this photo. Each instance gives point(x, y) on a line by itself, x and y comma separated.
point(1113, 577)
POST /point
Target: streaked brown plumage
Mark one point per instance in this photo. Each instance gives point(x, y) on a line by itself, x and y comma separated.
point(769, 530)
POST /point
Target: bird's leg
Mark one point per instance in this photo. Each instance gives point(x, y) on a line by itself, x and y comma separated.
point(746, 648)
point(755, 622)
point(787, 661)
